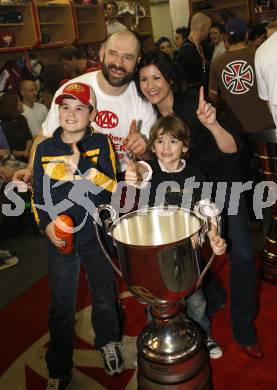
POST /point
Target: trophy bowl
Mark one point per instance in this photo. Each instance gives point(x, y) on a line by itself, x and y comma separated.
point(158, 249)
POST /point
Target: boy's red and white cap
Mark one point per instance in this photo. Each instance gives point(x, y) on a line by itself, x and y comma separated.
point(80, 91)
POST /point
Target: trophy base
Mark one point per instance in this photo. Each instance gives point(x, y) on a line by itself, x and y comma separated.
point(171, 356)
point(194, 384)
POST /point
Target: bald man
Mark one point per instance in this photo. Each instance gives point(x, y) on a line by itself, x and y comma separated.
point(191, 61)
point(118, 102)
point(34, 112)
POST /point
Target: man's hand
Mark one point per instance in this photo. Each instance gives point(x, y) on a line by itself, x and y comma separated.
point(50, 232)
point(135, 142)
point(25, 175)
point(21, 153)
point(206, 112)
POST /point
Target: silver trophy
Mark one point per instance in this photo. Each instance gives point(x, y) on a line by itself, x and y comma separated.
point(157, 249)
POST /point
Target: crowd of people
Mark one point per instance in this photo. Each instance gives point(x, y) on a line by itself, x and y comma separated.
point(178, 112)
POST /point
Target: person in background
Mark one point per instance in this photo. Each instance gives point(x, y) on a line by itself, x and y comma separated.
point(112, 24)
point(15, 127)
point(164, 44)
point(266, 70)
point(217, 39)
point(52, 76)
point(191, 62)
point(169, 141)
point(34, 112)
point(271, 28)
point(233, 85)
point(233, 82)
point(5, 172)
point(4, 146)
point(181, 34)
point(256, 35)
point(8, 258)
point(75, 142)
point(75, 63)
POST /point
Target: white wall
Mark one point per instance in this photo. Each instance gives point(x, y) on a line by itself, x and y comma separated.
point(161, 21)
point(179, 10)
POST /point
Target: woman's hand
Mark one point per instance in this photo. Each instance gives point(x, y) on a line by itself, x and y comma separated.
point(207, 116)
point(206, 112)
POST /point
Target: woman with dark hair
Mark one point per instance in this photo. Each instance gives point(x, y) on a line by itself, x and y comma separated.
point(15, 127)
point(216, 151)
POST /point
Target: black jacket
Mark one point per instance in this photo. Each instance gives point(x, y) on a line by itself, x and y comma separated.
point(204, 152)
point(170, 188)
point(93, 182)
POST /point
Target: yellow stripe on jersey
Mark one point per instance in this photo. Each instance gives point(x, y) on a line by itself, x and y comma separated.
point(99, 178)
point(92, 152)
point(57, 171)
point(34, 210)
point(54, 158)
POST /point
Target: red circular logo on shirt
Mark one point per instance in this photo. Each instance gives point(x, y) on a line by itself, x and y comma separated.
point(238, 77)
point(106, 119)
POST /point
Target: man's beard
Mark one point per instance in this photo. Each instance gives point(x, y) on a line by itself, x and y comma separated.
point(116, 81)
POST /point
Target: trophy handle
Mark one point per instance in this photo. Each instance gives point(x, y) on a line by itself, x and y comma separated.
point(108, 222)
point(208, 212)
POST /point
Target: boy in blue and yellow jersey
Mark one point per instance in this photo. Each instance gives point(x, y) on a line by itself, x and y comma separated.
point(75, 169)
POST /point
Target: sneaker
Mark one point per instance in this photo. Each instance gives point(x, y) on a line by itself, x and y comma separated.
point(58, 383)
point(214, 349)
point(112, 357)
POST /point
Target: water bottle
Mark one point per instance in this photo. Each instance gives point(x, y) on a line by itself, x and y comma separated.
point(63, 226)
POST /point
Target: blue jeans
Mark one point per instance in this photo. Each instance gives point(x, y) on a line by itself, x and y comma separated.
point(63, 273)
point(242, 276)
point(196, 305)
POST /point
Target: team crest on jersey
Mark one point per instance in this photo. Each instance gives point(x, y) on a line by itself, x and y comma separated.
point(238, 77)
point(106, 119)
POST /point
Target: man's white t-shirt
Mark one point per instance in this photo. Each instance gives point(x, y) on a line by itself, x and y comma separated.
point(115, 113)
point(266, 72)
point(218, 50)
point(35, 116)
